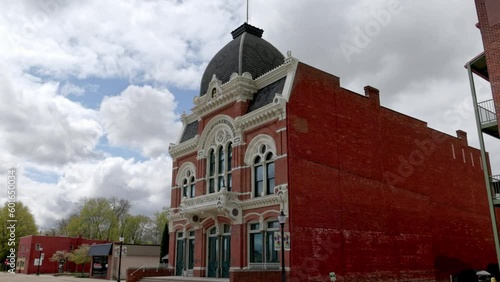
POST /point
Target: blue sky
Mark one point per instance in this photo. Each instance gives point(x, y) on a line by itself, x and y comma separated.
point(92, 92)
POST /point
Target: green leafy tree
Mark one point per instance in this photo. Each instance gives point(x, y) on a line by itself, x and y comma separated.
point(23, 226)
point(158, 221)
point(135, 228)
point(80, 256)
point(93, 220)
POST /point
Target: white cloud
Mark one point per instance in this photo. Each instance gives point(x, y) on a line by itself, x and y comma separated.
point(70, 89)
point(145, 184)
point(40, 126)
point(141, 118)
point(162, 41)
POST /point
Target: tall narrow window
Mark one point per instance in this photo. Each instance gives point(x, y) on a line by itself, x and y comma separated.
point(192, 188)
point(211, 172)
point(188, 185)
point(229, 182)
point(263, 173)
point(259, 177)
point(269, 174)
point(219, 168)
point(256, 248)
point(184, 188)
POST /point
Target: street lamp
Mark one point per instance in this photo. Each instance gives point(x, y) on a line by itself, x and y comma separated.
point(282, 220)
point(120, 259)
point(39, 260)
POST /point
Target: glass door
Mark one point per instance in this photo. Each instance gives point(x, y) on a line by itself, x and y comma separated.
point(219, 252)
point(179, 258)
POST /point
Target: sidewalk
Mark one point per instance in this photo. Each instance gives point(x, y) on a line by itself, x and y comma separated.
point(8, 277)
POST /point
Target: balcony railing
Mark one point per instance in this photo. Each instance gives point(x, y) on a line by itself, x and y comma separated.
point(495, 186)
point(264, 265)
point(487, 111)
point(223, 202)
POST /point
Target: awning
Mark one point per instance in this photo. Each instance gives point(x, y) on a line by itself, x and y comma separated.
point(100, 250)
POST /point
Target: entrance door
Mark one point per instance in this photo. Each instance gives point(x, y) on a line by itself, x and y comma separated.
point(179, 257)
point(219, 252)
point(185, 254)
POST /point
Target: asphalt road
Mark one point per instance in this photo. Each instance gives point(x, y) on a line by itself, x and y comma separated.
point(7, 277)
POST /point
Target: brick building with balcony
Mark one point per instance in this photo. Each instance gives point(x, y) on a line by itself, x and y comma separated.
point(370, 194)
point(487, 66)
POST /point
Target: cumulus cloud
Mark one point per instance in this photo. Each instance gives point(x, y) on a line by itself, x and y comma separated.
point(42, 126)
point(154, 40)
point(145, 184)
point(141, 118)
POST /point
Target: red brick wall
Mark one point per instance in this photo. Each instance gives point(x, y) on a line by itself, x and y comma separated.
point(377, 195)
point(256, 276)
point(488, 12)
point(50, 245)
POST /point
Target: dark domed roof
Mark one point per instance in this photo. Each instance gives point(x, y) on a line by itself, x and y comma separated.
point(247, 52)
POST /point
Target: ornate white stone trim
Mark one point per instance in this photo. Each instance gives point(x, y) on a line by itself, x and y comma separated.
point(183, 148)
point(254, 147)
point(187, 166)
point(222, 203)
point(238, 88)
point(219, 130)
point(280, 197)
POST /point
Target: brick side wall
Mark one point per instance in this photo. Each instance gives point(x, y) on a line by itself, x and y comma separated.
point(255, 276)
point(488, 12)
point(376, 195)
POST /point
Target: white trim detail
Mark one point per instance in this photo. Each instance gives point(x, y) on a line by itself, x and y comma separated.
point(185, 167)
point(223, 127)
point(254, 146)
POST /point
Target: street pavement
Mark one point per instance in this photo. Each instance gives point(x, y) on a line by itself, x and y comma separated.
point(8, 277)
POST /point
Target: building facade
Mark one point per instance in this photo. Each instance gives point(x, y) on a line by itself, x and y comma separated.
point(487, 66)
point(106, 261)
point(33, 247)
point(370, 194)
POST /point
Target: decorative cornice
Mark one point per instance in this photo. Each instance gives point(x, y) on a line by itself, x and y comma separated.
point(238, 88)
point(183, 148)
point(275, 110)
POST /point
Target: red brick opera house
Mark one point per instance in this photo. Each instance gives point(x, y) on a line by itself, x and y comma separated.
point(29, 251)
point(370, 194)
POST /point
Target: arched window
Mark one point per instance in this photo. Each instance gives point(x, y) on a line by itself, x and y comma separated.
point(188, 185)
point(219, 172)
point(263, 173)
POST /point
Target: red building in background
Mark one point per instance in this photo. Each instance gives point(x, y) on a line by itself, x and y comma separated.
point(29, 251)
point(370, 194)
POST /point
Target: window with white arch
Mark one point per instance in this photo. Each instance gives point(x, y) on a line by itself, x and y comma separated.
point(263, 172)
point(219, 167)
point(188, 185)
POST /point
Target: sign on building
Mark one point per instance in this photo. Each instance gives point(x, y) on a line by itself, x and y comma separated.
point(277, 241)
point(117, 251)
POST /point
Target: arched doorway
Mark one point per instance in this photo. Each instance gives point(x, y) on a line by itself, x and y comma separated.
point(219, 251)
